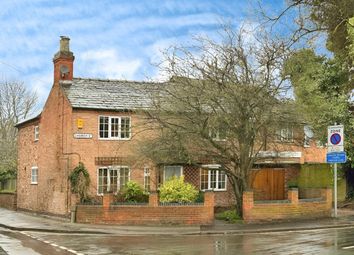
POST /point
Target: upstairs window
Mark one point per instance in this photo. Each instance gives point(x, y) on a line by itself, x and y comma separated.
point(218, 134)
point(285, 134)
point(36, 133)
point(117, 128)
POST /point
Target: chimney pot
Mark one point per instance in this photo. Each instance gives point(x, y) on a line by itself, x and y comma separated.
point(64, 44)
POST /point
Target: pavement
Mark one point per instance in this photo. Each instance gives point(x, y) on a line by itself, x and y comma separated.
point(23, 221)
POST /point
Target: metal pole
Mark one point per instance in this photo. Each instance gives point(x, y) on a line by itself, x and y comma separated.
point(335, 190)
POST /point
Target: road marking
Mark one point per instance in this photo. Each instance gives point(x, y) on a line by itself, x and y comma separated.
point(348, 247)
point(52, 244)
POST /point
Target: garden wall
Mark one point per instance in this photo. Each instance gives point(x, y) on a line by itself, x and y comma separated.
point(8, 201)
point(292, 208)
point(148, 214)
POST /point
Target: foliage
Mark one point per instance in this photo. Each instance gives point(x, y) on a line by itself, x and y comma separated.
point(176, 190)
point(230, 216)
point(133, 192)
point(80, 181)
point(16, 103)
point(227, 88)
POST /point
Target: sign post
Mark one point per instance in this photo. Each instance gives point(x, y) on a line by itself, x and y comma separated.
point(335, 154)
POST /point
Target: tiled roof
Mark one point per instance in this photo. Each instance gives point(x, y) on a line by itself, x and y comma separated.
point(29, 118)
point(109, 94)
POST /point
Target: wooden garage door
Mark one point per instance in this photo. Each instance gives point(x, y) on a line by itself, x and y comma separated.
point(268, 184)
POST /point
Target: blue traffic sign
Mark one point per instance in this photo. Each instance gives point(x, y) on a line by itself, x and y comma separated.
point(335, 138)
point(336, 157)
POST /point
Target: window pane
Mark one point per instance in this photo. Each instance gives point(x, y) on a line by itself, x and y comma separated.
point(147, 179)
point(114, 127)
point(102, 180)
point(171, 171)
point(125, 127)
point(123, 177)
point(221, 180)
point(204, 179)
point(212, 179)
point(113, 175)
point(103, 127)
point(34, 175)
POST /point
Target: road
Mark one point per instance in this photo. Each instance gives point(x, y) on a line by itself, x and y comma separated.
point(329, 241)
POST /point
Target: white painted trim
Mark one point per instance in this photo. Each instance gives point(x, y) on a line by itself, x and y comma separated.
point(34, 168)
point(209, 179)
point(117, 168)
point(181, 171)
point(36, 133)
point(109, 138)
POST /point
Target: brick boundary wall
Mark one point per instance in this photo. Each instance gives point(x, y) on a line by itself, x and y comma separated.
point(152, 213)
point(8, 201)
point(292, 208)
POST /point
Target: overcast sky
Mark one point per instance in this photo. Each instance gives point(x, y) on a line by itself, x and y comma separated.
point(110, 39)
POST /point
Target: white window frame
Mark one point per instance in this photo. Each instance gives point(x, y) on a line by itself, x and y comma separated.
point(36, 133)
point(209, 179)
point(119, 128)
point(109, 177)
point(284, 138)
point(147, 173)
point(217, 135)
point(36, 175)
point(164, 170)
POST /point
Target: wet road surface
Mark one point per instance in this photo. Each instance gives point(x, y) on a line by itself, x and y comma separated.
point(329, 241)
point(18, 243)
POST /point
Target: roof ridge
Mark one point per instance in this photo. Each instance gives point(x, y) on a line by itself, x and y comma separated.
point(115, 80)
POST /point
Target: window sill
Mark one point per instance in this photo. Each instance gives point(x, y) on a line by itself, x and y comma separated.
point(216, 190)
point(34, 183)
point(114, 139)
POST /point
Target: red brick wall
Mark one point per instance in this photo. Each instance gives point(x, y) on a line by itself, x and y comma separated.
point(50, 194)
point(8, 201)
point(291, 209)
point(148, 214)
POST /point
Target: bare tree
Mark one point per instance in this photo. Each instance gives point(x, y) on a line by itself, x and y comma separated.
point(16, 103)
point(222, 105)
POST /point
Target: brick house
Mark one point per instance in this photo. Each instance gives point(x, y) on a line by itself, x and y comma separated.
point(97, 122)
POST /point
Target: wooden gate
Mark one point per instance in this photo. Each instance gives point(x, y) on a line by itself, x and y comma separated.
point(268, 184)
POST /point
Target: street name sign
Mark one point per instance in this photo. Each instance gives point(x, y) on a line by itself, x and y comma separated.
point(336, 157)
point(82, 136)
point(335, 139)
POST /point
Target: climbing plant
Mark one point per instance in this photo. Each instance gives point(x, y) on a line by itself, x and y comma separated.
point(80, 181)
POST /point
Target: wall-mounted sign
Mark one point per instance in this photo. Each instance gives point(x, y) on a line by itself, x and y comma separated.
point(80, 123)
point(82, 136)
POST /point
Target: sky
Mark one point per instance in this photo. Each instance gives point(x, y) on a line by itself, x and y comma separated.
point(110, 39)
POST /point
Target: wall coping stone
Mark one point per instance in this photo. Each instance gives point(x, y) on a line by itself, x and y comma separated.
point(286, 201)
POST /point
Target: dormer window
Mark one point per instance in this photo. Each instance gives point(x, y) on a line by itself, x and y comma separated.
point(36, 133)
point(114, 128)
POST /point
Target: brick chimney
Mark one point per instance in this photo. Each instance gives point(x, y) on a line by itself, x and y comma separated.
point(63, 61)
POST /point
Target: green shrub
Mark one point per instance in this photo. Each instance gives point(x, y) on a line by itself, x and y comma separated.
point(132, 192)
point(229, 216)
point(80, 181)
point(176, 190)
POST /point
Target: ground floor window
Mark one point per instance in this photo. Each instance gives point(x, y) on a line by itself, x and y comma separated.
point(212, 179)
point(147, 179)
point(34, 175)
point(170, 171)
point(112, 178)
